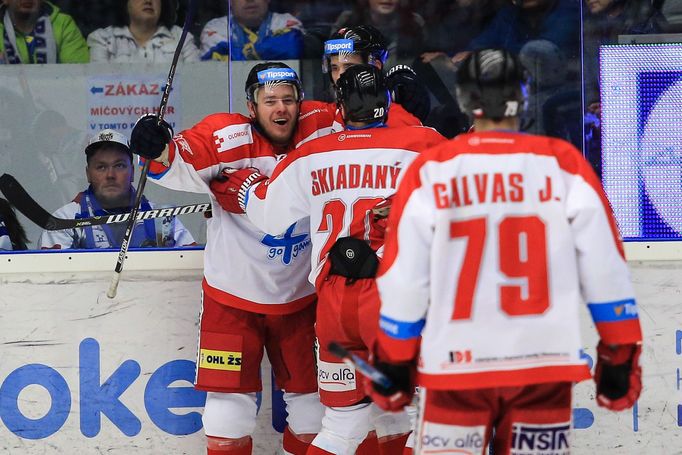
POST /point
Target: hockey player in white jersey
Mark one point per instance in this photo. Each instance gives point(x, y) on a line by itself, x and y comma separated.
point(494, 240)
point(256, 296)
point(336, 181)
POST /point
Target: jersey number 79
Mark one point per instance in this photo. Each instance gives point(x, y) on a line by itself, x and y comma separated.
point(521, 254)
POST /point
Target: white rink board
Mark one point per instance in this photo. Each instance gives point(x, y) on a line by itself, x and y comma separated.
point(62, 320)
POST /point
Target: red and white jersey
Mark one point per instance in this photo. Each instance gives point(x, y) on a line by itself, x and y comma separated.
point(243, 266)
point(494, 241)
point(397, 117)
point(336, 181)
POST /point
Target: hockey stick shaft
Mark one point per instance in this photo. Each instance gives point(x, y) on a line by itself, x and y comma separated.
point(22, 201)
point(356, 362)
point(113, 286)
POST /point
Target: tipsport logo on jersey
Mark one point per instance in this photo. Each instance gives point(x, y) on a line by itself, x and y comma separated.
point(287, 246)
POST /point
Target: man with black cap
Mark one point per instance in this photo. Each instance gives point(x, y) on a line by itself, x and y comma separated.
point(110, 173)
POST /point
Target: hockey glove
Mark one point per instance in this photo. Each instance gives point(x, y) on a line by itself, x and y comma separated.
point(394, 398)
point(407, 90)
point(148, 138)
point(230, 188)
point(618, 375)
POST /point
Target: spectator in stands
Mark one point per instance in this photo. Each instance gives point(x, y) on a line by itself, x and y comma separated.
point(12, 234)
point(556, 21)
point(36, 31)
point(110, 173)
point(396, 20)
point(256, 34)
point(604, 21)
point(148, 34)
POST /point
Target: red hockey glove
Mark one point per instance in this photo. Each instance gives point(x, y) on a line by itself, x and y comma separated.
point(230, 188)
point(394, 398)
point(380, 216)
point(618, 375)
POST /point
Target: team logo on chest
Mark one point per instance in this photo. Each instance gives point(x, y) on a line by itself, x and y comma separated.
point(286, 246)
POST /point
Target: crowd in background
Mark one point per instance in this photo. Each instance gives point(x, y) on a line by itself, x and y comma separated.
point(431, 36)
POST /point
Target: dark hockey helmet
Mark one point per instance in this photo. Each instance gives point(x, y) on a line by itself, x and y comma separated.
point(269, 74)
point(364, 40)
point(363, 93)
point(492, 83)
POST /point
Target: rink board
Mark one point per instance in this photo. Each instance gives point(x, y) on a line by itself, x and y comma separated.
point(82, 373)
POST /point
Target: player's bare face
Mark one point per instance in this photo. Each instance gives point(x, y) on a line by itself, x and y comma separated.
point(276, 111)
point(110, 173)
point(341, 62)
point(144, 10)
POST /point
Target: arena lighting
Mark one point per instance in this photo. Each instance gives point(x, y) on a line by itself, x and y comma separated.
point(641, 96)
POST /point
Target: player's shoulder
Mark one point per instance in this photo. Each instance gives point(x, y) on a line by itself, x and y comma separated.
point(399, 116)
point(224, 119)
point(310, 108)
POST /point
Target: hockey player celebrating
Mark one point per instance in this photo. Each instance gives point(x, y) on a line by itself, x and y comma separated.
point(495, 239)
point(336, 181)
point(365, 44)
point(255, 290)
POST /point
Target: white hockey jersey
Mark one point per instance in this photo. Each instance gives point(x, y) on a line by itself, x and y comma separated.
point(336, 181)
point(243, 266)
point(494, 241)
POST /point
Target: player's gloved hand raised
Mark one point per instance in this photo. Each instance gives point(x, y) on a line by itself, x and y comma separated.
point(408, 91)
point(149, 138)
point(231, 186)
point(398, 396)
point(618, 375)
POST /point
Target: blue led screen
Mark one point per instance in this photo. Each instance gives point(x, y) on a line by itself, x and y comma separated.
point(641, 95)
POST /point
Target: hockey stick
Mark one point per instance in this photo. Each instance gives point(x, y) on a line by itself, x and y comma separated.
point(359, 364)
point(113, 286)
point(19, 198)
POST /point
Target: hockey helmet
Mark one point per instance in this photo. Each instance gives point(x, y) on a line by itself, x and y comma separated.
point(363, 40)
point(492, 83)
point(363, 93)
point(270, 74)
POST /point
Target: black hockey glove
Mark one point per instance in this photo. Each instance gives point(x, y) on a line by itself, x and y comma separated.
point(408, 91)
point(148, 138)
point(396, 397)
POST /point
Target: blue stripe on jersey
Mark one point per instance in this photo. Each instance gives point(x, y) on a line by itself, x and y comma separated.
point(156, 176)
point(400, 329)
point(621, 310)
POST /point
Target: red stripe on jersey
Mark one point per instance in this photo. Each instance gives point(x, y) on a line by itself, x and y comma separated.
point(411, 182)
point(395, 350)
point(233, 301)
point(413, 138)
point(509, 378)
point(620, 332)
point(397, 116)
